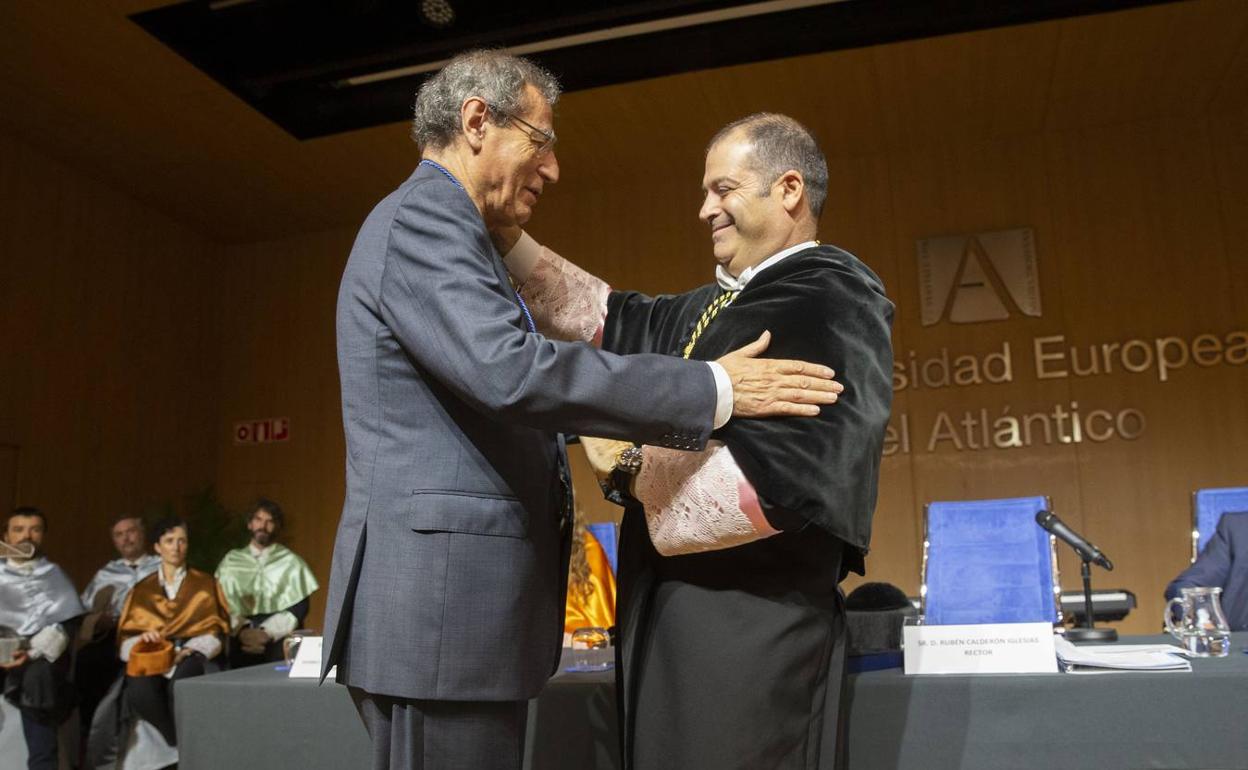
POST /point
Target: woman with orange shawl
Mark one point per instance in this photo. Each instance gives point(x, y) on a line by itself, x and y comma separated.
point(174, 621)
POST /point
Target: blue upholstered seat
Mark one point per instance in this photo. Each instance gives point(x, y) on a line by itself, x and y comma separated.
point(1208, 505)
point(606, 535)
point(987, 561)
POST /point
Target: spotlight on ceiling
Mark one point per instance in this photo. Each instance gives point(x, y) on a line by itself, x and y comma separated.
point(437, 13)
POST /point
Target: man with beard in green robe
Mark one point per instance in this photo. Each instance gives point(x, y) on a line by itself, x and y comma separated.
point(267, 586)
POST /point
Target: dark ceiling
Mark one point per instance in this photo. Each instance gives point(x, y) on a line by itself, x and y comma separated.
point(291, 59)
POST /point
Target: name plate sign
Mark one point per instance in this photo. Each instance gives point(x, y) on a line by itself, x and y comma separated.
point(988, 648)
point(307, 662)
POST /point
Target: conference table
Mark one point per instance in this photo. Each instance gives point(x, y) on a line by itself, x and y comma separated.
point(258, 718)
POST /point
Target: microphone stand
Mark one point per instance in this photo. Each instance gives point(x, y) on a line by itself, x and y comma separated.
point(1088, 632)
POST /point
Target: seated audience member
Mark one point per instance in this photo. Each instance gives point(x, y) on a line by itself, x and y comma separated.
point(96, 664)
point(267, 586)
point(1222, 564)
point(174, 621)
point(591, 584)
point(38, 601)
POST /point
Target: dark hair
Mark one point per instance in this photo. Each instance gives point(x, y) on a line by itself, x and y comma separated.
point(127, 517)
point(877, 597)
point(782, 144)
point(270, 507)
point(164, 525)
point(26, 510)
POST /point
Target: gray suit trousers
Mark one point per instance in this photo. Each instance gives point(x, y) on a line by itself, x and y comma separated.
point(412, 734)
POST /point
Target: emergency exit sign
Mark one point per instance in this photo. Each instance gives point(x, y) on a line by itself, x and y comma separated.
point(267, 431)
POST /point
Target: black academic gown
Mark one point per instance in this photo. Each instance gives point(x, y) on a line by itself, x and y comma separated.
point(735, 658)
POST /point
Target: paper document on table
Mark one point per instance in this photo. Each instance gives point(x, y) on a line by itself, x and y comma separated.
point(1122, 649)
point(1134, 657)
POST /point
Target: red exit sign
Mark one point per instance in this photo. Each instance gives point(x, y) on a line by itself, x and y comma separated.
point(262, 431)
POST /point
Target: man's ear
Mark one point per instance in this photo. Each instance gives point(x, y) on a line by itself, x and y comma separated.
point(792, 187)
point(473, 116)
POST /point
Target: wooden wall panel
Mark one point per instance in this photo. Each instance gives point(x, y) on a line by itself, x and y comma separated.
point(10, 475)
point(967, 188)
point(1229, 134)
point(1139, 64)
point(108, 352)
point(967, 87)
point(278, 358)
point(1231, 96)
point(1141, 251)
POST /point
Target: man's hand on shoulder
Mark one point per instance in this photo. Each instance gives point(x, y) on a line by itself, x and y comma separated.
point(767, 387)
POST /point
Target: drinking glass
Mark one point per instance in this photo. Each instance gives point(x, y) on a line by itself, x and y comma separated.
point(591, 650)
point(10, 643)
point(290, 645)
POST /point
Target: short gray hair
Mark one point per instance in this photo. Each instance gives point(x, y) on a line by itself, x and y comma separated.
point(494, 76)
point(780, 144)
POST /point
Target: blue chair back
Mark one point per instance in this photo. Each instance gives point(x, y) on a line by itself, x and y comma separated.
point(606, 535)
point(1208, 505)
point(987, 561)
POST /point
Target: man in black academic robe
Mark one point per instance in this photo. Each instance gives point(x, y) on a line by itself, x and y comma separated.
point(733, 657)
point(716, 644)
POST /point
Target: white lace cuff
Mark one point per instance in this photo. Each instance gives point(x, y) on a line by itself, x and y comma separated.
point(566, 302)
point(698, 501)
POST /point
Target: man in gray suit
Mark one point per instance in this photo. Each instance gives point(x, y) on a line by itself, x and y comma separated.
point(446, 595)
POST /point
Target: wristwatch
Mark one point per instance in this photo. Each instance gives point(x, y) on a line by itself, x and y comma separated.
point(629, 460)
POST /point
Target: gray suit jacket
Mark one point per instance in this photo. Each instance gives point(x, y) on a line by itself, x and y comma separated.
point(449, 566)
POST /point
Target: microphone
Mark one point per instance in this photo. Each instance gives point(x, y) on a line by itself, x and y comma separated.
point(1049, 521)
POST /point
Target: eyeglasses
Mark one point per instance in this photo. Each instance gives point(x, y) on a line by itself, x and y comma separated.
point(545, 140)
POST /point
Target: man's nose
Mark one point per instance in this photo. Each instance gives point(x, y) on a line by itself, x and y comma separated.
point(710, 207)
point(549, 168)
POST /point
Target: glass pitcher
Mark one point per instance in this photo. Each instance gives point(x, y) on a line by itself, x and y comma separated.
point(1201, 628)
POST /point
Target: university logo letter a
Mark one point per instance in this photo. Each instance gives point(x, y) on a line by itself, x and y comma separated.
point(981, 277)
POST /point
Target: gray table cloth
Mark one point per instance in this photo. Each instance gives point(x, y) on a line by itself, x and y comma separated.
point(257, 718)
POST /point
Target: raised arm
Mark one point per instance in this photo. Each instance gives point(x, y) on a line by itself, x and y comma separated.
point(571, 304)
point(567, 303)
point(451, 309)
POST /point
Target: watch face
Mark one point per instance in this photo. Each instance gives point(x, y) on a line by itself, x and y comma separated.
point(629, 460)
